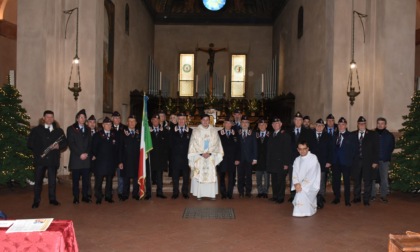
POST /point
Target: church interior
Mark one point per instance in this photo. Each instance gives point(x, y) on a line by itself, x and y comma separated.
point(265, 57)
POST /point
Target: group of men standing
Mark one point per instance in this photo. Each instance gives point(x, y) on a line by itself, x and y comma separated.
point(211, 157)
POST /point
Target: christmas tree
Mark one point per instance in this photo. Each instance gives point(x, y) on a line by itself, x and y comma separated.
point(16, 161)
point(405, 173)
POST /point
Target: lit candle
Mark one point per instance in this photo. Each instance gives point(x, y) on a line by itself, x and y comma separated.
point(262, 83)
point(224, 84)
point(196, 83)
point(160, 81)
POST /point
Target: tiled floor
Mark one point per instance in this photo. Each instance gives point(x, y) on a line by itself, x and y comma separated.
point(260, 225)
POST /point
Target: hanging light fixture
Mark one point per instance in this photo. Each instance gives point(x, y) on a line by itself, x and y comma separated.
point(352, 92)
point(74, 84)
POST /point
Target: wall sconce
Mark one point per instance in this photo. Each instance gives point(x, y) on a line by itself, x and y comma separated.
point(74, 84)
point(351, 90)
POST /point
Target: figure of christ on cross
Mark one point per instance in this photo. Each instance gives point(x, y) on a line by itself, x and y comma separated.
point(210, 62)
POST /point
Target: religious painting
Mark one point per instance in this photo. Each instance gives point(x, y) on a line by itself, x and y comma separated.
point(108, 57)
point(186, 75)
point(238, 75)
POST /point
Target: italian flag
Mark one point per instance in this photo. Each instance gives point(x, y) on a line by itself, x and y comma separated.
point(145, 147)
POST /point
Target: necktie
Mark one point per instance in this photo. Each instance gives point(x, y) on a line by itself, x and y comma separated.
point(244, 134)
point(330, 131)
point(132, 132)
point(275, 134)
point(92, 132)
point(261, 134)
point(360, 144)
point(107, 135)
point(83, 129)
point(156, 131)
point(338, 143)
point(318, 137)
point(228, 133)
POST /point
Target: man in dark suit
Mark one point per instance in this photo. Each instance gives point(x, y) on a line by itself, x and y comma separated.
point(42, 137)
point(162, 120)
point(278, 159)
point(129, 158)
point(91, 123)
point(343, 156)
point(80, 143)
point(322, 147)
point(231, 158)
point(366, 160)
point(298, 134)
point(262, 136)
point(237, 116)
point(105, 151)
point(248, 158)
point(386, 147)
point(179, 142)
point(331, 126)
point(119, 128)
point(158, 157)
point(307, 122)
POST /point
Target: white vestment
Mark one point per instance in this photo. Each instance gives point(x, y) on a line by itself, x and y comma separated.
point(203, 171)
point(306, 172)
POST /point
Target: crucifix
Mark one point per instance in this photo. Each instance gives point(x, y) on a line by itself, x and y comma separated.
point(210, 62)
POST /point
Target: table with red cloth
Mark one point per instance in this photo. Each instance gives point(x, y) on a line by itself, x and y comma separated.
point(59, 236)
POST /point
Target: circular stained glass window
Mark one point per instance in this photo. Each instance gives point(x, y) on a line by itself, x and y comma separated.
point(214, 5)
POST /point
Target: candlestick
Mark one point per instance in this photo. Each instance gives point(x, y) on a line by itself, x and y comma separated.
point(196, 83)
point(178, 83)
point(262, 83)
point(160, 81)
point(224, 84)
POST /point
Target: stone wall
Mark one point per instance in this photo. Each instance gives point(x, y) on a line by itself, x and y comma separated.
point(316, 67)
point(44, 57)
point(255, 41)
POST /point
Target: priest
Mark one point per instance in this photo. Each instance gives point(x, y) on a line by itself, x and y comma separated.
point(306, 181)
point(204, 153)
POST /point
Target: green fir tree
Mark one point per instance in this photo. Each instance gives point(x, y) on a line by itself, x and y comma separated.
point(405, 173)
point(16, 160)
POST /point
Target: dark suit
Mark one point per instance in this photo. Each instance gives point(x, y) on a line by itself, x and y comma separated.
point(158, 160)
point(322, 147)
point(119, 135)
point(106, 150)
point(129, 157)
point(232, 153)
point(261, 166)
point(362, 167)
point(80, 141)
point(40, 139)
point(333, 131)
point(179, 143)
point(248, 154)
point(278, 156)
point(343, 156)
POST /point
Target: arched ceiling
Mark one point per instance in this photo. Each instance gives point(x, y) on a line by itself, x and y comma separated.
point(259, 12)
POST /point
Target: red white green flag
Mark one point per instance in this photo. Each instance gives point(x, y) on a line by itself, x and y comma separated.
point(145, 146)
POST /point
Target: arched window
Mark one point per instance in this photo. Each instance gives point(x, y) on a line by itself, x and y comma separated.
point(127, 19)
point(300, 22)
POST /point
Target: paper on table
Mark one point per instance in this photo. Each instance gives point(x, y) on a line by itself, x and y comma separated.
point(6, 223)
point(30, 225)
